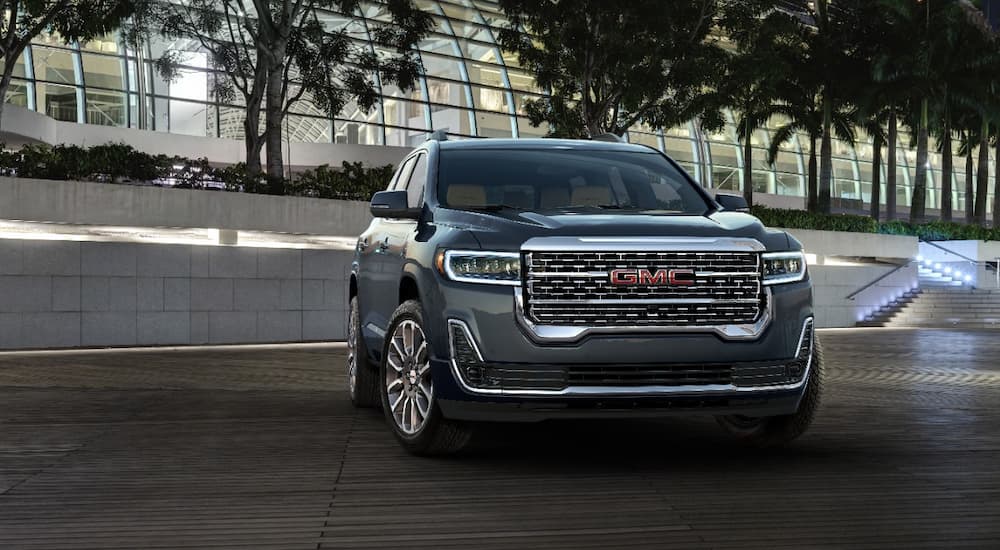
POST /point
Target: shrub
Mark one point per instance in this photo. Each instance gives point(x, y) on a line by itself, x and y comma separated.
point(352, 182)
point(930, 231)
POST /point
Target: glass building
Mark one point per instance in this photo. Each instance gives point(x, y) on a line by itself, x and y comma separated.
point(471, 88)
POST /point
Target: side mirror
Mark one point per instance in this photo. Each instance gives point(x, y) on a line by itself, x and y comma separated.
point(393, 204)
point(732, 203)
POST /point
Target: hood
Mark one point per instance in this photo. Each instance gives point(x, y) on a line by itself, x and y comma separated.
point(508, 229)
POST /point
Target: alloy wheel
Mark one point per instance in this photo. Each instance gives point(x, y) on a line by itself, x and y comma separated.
point(352, 352)
point(408, 377)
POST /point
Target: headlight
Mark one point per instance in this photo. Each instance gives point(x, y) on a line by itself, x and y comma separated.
point(783, 267)
point(474, 266)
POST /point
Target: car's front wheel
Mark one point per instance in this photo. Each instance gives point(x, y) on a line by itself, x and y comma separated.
point(407, 388)
point(774, 431)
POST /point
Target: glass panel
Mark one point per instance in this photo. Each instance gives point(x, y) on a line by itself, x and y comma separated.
point(679, 131)
point(480, 52)
point(18, 66)
point(488, 75)
point(520, 80)
point(160, 115)
point(107, 43)
point(439, 66)
point(308, 129)
point(526, 130)
point(491, 99)
point(59, 102)
point(54, 65)
point(441, 44)
point(402, 137)
point(644, 139)
point(231, 122)
point(458, 12)
point(335, 22)
point(681, 150)
point(103, 71)
point(133, 108)
point(786, 161)
point(452, 120)
point(448, 93)
point(789, 184)
point(106, 108)
point(17, 93)
point(404, 113)
point(356, 132)
point(188, 118)
point(521, 98)
point(493, 125)
point(191, 83)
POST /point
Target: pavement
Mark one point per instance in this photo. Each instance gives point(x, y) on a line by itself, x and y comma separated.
point(259, 447)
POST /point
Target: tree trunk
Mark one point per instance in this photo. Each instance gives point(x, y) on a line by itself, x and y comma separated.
point(982, 174)
point(876, 208)
point(812, 199)
point(826, 159)
point(8, 71)
point(996, 189)
point(253, 141)
point(970, 192)
point(747, 166)
point(890, 176)
point(946, 170)
point(918, 203)
point(274, 111)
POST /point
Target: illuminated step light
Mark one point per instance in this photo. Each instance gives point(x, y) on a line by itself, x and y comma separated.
point(947, 271)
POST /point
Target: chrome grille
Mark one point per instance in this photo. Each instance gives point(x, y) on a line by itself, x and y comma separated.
point(574, 288)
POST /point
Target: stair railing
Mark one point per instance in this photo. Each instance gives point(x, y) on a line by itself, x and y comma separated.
point(976, 263)
point(852, 295)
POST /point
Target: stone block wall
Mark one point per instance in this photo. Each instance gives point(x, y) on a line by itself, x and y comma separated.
point(59, 294)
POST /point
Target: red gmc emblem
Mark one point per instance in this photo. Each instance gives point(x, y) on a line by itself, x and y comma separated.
point(660, 277)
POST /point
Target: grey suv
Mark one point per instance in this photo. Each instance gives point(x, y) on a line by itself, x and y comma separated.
point(524, 280)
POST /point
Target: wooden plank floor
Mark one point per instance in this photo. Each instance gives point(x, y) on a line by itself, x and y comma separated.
point(259, 448)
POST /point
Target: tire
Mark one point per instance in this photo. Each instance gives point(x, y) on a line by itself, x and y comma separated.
point(362, 376)
point(776, 431)
point(405, 378)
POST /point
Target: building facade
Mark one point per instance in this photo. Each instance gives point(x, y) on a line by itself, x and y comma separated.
point(471, 88)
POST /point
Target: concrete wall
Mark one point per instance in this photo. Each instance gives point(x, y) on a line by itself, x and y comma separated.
point(78, 202)
point(57, 294)
point(833, 283)
point(23, 126)
point(858, 245)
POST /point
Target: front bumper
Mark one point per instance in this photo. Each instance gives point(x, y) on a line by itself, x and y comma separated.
point(545, 373)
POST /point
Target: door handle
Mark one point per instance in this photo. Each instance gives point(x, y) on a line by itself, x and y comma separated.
point(383, 246)
point(362, 245)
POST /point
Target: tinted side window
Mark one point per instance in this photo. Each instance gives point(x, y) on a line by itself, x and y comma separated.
point(399, 182)
point(418, 178)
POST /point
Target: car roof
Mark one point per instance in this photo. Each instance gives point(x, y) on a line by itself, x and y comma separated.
point(541, 144)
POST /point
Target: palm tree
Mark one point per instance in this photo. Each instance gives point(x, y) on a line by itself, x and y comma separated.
point(801, 107)
point(763, 36)
point(874, 124)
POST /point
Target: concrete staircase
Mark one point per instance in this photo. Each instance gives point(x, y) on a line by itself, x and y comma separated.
point(942, 300)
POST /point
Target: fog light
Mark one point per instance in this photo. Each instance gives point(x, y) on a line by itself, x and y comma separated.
point(467, 360)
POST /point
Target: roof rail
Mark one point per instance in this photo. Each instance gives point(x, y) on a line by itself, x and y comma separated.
point(438, 135)
point(613, 138)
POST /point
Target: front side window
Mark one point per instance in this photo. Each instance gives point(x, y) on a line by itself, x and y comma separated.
point(418, 178)
point(565, 179)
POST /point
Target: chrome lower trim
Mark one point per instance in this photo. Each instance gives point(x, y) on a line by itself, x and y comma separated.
point(637, 391)
point(570, 333)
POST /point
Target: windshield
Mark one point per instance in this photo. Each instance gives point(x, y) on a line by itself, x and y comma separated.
point(564, 179)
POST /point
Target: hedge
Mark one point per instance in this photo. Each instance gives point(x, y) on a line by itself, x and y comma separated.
point(121, 163)
point(930, 231)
